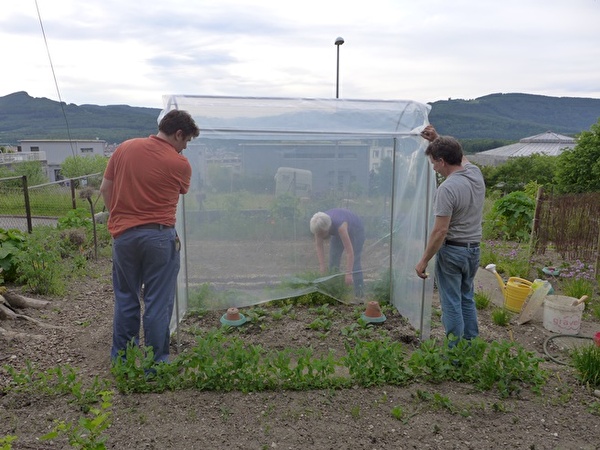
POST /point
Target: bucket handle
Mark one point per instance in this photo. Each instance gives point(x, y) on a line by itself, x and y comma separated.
point(521, 280)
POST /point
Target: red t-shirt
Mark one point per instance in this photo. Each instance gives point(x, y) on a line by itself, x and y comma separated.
point(148, 175)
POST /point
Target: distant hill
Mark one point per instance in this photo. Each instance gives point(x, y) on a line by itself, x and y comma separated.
point(495, 118)
point(514, 116)
point(25, 117)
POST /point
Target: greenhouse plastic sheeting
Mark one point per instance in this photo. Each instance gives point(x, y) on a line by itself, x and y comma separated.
point(263, 166)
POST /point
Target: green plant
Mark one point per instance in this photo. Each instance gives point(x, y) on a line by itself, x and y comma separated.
point(501, 317)
point(593, 408)
point(56, 381)
point(595, 309)
point(511, 259)
point(438, 401)
point(504, 365)
point(324, 311)
point(321, 324)
point(39, 262)
point(482, 299)
point(11, 241)
point(577, 279)
point(397, 412)
point(6, 442)
point(75, 218)
point(358, 330)
point(586, 360)
point(87, 433)
point(377, 362)
point(76, 166)
point(511, 217)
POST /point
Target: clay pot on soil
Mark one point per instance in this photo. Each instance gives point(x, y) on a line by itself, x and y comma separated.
point(373, 309)
point(373, 313)
point(233, 314)
point(233, 318)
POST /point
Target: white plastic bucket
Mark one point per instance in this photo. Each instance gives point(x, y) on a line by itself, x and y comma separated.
point(560, 316)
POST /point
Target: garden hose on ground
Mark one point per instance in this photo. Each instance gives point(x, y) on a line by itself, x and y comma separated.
point(551, 338)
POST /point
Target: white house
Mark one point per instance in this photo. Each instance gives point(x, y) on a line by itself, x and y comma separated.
point(57, 151)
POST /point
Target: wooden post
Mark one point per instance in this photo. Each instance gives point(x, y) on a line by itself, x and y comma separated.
point(27, 204)
point(535, 223)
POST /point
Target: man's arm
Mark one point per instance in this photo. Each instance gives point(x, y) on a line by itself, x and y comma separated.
point(106, 191)
point(436, 240)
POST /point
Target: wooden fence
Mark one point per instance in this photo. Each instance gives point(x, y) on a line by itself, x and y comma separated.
point(571, 223)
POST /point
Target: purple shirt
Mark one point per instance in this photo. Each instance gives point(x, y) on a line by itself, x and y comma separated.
point(339, 216)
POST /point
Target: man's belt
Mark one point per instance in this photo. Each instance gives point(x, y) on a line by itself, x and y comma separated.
point(462, 244)
point(153, 226)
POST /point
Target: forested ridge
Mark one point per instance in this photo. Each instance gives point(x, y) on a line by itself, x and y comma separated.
point(481, 123)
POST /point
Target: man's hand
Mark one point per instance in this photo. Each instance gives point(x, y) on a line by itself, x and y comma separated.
point(421, 268)
point(429, 133)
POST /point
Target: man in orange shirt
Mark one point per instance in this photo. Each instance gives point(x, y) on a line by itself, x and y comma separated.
point(141, 188)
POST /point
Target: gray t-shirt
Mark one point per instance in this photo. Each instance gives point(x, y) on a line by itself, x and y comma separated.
point(461, 197)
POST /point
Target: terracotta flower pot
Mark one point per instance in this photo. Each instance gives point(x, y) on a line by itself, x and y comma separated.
point(373, 309)
point(373, 313)
point(233, 318)
point(233, 314)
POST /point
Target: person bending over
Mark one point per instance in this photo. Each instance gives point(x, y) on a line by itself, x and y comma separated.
point(347, 233)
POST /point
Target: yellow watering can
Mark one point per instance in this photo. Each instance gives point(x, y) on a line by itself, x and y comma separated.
point(515, 291)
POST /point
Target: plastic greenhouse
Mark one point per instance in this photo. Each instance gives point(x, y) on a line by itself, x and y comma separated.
point(263, 166)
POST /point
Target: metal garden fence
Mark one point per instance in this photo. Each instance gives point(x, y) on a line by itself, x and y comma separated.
point(23, 206)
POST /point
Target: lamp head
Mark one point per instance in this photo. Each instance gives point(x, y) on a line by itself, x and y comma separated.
point(339, 41)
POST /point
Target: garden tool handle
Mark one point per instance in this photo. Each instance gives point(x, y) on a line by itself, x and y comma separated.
point(581, 300)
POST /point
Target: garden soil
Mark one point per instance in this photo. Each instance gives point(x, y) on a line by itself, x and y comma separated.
point(562, 417)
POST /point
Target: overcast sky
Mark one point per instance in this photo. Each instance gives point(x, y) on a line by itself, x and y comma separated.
point(109, 52)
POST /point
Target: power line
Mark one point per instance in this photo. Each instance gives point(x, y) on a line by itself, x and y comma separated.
point(62, 106)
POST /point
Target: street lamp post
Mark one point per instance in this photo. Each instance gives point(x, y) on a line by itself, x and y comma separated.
point(339, 41)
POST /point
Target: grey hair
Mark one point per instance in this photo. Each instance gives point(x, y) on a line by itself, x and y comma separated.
point(320, 222)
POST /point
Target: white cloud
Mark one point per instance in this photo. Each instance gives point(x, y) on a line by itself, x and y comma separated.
point(115, 52)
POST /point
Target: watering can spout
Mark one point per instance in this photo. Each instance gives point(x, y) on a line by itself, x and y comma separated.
point(492, 268)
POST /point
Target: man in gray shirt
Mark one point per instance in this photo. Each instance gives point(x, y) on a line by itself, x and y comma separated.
point(454, 240)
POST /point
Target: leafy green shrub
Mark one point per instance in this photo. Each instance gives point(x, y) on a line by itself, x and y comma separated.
point(39, 262)
point(377, 362)
point(11, 241)
point(510, 217)
point(75, 218)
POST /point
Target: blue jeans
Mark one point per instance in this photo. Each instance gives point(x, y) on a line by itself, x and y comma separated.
point(455, 270)
point(150, 258)
point(336, 248)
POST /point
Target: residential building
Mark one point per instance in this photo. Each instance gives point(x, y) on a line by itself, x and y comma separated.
point(56, 151)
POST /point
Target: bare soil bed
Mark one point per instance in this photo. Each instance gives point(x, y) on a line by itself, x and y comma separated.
point(561, 418)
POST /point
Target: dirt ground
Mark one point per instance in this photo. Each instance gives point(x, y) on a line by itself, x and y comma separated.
point(357, 418)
